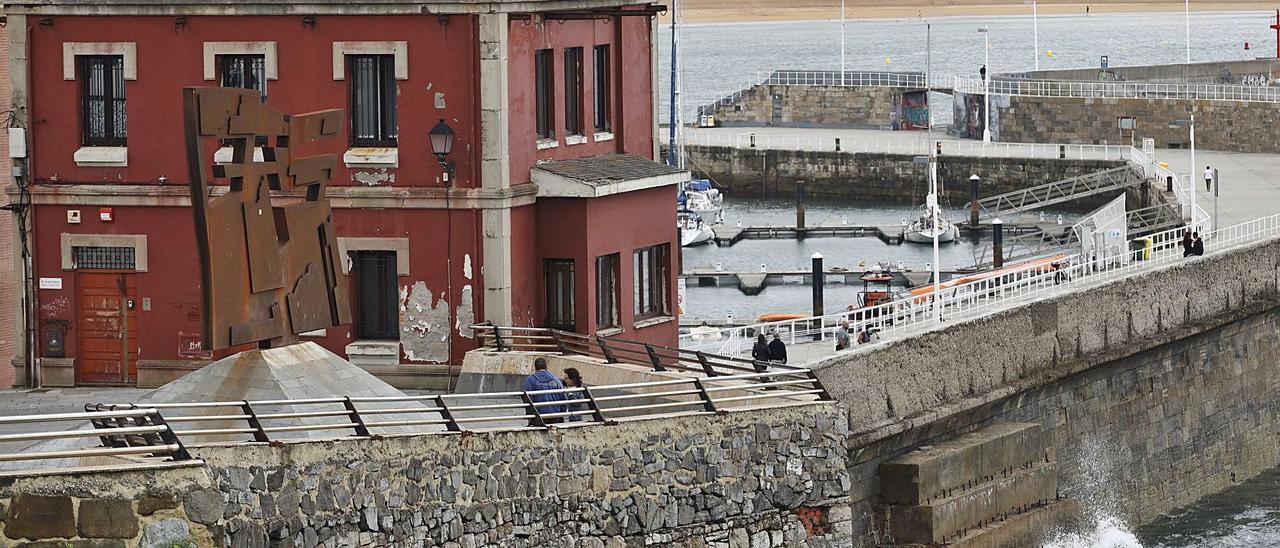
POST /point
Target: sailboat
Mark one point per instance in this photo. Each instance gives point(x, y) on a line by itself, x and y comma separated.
point(697, 196)
point(932, 226)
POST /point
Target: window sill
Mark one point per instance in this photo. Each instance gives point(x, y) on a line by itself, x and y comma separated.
point(102, 157)
point(372, 157)
point(653, 321)
point(602, 136)
point(609, 332)
point(544, 144)
point(575, 139)
point(225, 155)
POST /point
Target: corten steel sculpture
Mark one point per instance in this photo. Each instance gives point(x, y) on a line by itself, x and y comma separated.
point(269, 272)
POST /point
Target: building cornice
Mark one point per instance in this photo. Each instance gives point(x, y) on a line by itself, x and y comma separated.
point(342, 197)
point(302, 7)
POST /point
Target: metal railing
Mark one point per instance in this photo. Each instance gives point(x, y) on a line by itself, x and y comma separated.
point(914, 80)
point(1117, 90)
point(1057, 192)
point(613, 350)
point(914, 314)
point(772, 141)
point(139, 432)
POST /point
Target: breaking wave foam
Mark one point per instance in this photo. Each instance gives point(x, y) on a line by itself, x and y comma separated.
point(1107, 532)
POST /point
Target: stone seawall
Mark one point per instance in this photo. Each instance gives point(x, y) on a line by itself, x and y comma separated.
point(810, 106)
point(869, 176)
point(1154, 390)
point(1220, 125)
point(752, 478)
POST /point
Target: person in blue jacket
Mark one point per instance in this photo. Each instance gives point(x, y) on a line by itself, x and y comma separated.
point(541, 379)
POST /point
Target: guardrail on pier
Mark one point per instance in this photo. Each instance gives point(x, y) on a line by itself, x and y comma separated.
point(1014, 285)
point(1116, 90)
point(139, 433)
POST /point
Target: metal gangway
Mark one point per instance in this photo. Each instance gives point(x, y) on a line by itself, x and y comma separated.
point(1043, 243)
point(1058, 192)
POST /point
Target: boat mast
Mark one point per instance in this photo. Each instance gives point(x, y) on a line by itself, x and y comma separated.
point(675, 145)
point(933, 168)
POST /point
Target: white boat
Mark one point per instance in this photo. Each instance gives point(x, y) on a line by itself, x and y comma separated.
point(701, 198)
point(693, 230)
point(922, 231)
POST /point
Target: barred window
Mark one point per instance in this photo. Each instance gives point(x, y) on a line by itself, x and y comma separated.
point(104, 119)
point(373, 100)
point(377, 296)
point(560, 308)
point(244, 71)
point(109, 258)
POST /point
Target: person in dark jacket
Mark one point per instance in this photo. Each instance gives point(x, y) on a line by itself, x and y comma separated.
point(573, 379)
point(760, 352)
point(541, 379)
point(777, 349)
point(1186, 243)
point(1197, 246)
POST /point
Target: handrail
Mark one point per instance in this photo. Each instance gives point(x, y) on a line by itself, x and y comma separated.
point(122, 431)
point(1116, 90)
point(912, 314)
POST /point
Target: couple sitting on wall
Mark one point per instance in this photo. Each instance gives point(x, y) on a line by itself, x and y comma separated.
point(541, 379)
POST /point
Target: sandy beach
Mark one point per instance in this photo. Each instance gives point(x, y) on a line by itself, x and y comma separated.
point(730, 11)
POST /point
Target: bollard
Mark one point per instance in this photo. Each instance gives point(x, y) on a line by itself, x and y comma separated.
point(1168, 184)
point(1062, 152)
point(800, 205)
point(837, 144)
point(819, 280)
point(753, 140)
point(997, 243)
point(939, 148)
point(973, 200)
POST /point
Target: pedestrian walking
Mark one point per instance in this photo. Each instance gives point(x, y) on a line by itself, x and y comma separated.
point(1208, 178)
point(541, 379)
point(1187, 241)
point(1197, 246)
point(842, 336)
point(573, 379)
point(760, 352)
point(777, 349)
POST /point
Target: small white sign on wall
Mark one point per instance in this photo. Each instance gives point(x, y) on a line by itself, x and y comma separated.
point(50, 283)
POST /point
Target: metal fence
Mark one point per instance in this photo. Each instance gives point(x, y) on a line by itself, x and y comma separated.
point(1117, 90)
point(910, 315)
point(771, 141)
point(137, 433)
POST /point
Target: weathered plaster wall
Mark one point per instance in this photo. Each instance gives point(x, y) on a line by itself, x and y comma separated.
point(754, 478)
point(1155, 390)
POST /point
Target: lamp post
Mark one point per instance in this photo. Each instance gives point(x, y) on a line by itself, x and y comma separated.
point(1188, 18)
point(1035, 29)
point(441, 145)
point(1191, 182)
point(986, 85)
point(842, 42)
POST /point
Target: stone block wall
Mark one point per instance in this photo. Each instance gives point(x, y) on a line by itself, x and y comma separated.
point(873, 176)
point(743, 479)
point(809, 106)
point(1220, 125)
point(1154, 390)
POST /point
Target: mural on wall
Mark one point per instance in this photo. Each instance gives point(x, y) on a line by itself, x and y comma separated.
point(915, 110)
point(269, 271)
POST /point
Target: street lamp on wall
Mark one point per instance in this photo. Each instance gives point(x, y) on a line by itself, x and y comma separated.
point(442, 144)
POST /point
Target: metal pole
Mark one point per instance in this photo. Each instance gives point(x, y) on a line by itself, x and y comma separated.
point(986, 86)
point(933, 210)
point(1191, 177)
point(1035, 25)
point(679, 81)
point(842, 2)
point(671, 106)
point(1188, 4)
point(1216, 184)
point(973, 200)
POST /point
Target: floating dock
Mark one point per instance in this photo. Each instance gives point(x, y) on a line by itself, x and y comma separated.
point(726, 235)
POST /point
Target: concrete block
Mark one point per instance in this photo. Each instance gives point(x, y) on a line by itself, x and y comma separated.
point(38, 517)
point(1026, 529)
point(939, 519)
point(924, 473)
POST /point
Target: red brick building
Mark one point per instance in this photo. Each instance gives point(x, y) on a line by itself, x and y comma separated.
point(556, 213)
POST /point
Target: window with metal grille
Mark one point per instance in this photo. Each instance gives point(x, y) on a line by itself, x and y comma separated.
point(244, 71)
point(607, 291)
point(544, 90)
point(559, 279)
point(110, 258)
point(602, 91)
point(651, 272)
point(377, 297)
point(373, 100)
point(573, 91)
point(104, 121)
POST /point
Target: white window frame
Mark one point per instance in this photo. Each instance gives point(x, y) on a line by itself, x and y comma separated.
point(127, 50)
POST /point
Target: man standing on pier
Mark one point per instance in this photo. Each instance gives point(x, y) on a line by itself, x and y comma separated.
point(777, 349)
point(1208, 178)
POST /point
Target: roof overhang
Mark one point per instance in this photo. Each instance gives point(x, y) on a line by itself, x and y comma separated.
point(571, 8)
point(553, 185)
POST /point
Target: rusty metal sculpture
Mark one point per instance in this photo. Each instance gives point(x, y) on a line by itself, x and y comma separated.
point(269, 272)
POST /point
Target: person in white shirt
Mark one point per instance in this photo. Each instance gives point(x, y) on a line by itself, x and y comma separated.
point(1208, 178)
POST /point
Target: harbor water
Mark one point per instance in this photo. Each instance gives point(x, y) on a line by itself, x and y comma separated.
point(725, 57)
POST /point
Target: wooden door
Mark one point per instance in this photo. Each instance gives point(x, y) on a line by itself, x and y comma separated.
point(108, 350)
